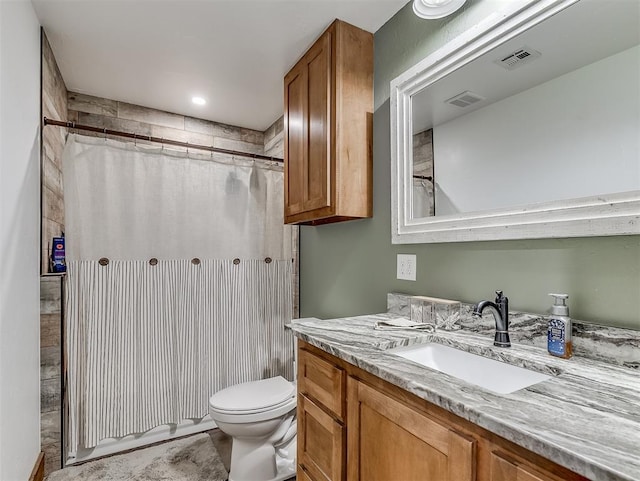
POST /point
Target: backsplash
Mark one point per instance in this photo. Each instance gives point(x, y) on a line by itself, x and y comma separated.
point(609, 344)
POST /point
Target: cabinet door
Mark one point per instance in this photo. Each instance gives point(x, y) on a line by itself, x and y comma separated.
point(307, 130)
point(320, 443)
point(506, 468)
point(318, 189)
point(295, 126)
point(388, 440)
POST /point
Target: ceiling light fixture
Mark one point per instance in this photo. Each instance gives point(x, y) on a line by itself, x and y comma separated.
point(436, 8)
point(198, 100)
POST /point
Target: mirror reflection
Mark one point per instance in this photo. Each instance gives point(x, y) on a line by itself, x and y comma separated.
point(551, 115)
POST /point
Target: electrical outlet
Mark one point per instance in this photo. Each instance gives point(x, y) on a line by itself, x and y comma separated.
point(407, 267)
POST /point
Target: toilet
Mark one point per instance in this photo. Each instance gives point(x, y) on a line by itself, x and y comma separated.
point(260, 416)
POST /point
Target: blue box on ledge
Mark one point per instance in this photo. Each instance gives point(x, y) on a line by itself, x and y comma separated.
point(57, 255)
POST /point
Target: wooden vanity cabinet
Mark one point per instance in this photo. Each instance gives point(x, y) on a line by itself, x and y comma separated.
point(328, 114)
point(321, 428)
point(354, 426)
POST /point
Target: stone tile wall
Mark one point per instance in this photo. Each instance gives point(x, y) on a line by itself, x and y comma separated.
point(111, 114)
point(50, 371)
point(274, 139)
point(54, 106)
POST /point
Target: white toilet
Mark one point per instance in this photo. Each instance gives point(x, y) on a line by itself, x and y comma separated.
point(260, 416)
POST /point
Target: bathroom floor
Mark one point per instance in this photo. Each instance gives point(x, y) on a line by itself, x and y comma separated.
point(222, 442)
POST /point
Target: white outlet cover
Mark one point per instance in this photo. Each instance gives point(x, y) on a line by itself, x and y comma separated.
point(406, 267)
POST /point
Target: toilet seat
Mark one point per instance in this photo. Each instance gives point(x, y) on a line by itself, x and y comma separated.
point(251, 411)
point(253, 401)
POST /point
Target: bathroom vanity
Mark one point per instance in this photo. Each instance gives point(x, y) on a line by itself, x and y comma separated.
point(365, 413)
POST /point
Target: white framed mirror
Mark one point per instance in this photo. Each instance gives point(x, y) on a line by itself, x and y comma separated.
point(525, 126)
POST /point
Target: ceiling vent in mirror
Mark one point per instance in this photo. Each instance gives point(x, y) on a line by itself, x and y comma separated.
point(464, 99)
point(518, 58)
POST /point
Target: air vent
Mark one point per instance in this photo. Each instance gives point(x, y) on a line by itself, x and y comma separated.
point(464, 99)
point(518, 58)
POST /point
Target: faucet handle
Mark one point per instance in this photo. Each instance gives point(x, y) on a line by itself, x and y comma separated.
point(498, 295)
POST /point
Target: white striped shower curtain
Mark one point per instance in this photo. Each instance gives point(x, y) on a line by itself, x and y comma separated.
point(149, 340)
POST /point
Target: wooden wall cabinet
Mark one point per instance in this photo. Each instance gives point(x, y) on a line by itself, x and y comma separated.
point(354, 426)
point(328, 114)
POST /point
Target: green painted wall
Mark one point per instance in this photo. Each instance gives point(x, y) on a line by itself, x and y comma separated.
point(347, 269)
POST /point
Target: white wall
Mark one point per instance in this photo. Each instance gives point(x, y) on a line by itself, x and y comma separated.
point(19, 239)
point(583, 127)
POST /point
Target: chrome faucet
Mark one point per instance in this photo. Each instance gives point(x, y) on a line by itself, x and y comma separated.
point(500, 311)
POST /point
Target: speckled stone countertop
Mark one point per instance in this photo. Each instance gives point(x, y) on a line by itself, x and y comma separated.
point(586, 417)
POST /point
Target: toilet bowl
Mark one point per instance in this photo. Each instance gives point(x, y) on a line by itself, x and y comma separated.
point(260, 418)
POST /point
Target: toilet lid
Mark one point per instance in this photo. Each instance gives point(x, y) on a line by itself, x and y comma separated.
point(253, 396)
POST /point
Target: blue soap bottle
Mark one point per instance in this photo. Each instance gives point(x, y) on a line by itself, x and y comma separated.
point(559, 331)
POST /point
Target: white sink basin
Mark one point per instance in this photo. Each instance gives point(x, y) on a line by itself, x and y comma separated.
point(495, 376)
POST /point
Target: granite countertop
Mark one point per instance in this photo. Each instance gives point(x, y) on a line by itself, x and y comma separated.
point(586, 417)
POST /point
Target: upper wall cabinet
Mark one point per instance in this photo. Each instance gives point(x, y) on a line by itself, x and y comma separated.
point(328, 97)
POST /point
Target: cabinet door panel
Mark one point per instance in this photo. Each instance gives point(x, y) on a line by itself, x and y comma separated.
point(503, 468)
point(404, 457)
point(318, 192)
point(295, 139)
point(388, 440)
point(320, 442)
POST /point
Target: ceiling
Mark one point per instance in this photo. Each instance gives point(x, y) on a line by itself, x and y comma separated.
point(161, 53)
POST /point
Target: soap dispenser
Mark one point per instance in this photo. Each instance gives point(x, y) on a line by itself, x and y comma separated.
point(559, 331)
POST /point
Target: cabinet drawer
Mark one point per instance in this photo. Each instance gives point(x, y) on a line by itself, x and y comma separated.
point(322, 381)
point(321, 441)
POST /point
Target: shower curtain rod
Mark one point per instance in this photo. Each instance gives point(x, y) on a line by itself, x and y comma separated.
point(423, 177)
point(148, 138)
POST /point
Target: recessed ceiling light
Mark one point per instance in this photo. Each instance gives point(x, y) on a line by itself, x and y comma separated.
point(198, 100)
point(436, 8)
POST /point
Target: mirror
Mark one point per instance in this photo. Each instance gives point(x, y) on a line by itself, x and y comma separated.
point(527, 126)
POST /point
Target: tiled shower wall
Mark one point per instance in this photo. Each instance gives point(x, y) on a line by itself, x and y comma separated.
point(115, 115)
point(54, 106)
point(50, 371)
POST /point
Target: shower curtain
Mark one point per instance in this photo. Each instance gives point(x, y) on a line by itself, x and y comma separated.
point(179, 274)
